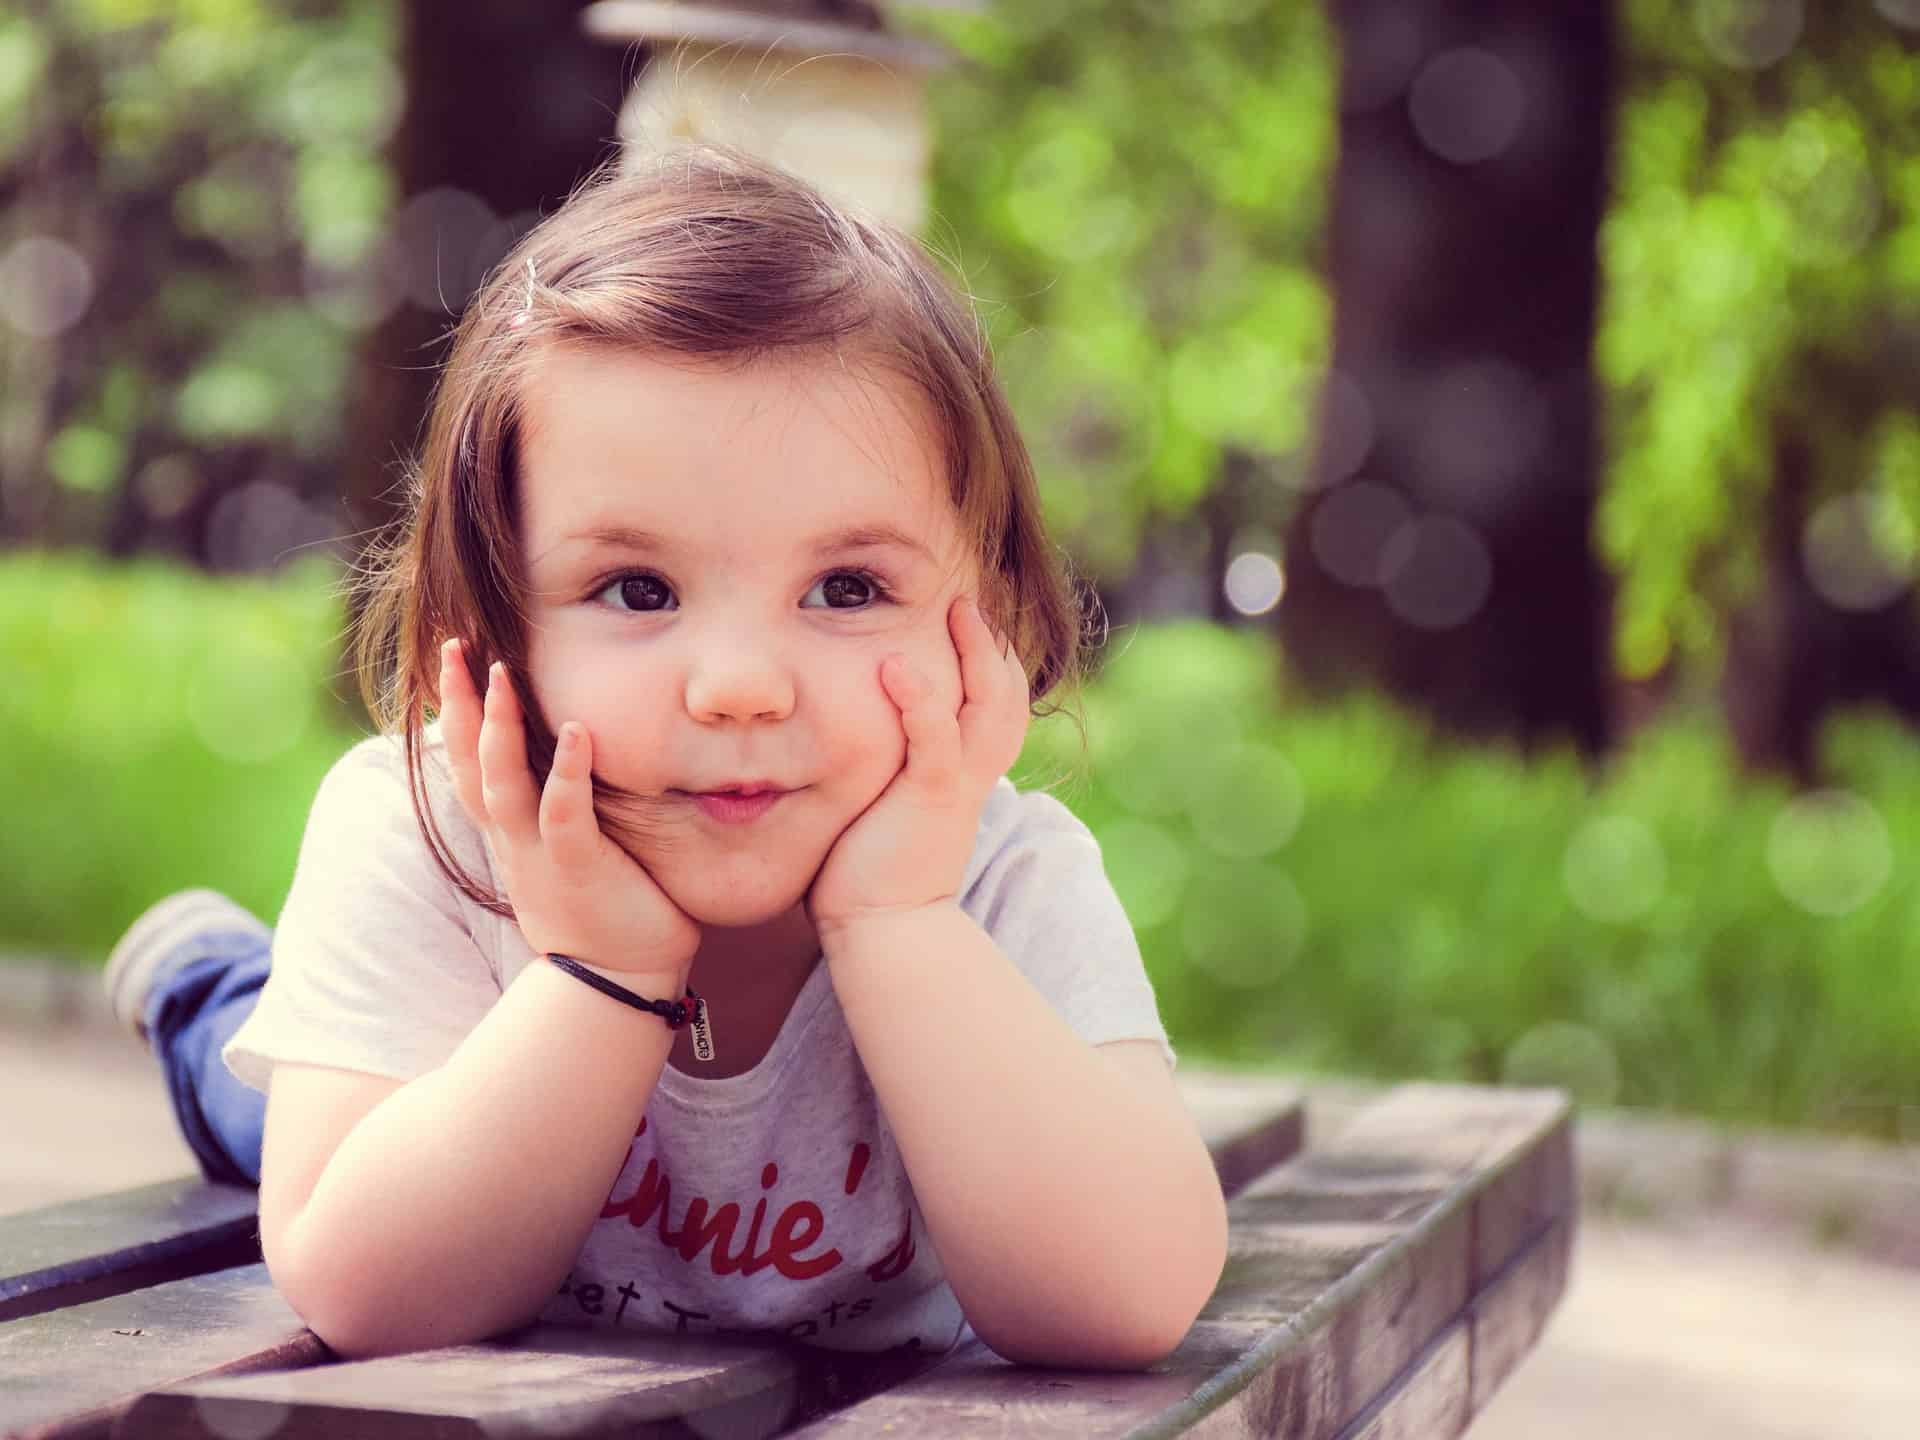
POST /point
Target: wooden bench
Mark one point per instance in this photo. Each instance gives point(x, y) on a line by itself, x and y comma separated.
point(1380, 1282)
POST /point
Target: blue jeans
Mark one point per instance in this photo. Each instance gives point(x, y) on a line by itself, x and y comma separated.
point(193, 1012)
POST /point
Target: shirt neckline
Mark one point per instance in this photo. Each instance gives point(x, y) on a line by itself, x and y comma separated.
point(750, 1087)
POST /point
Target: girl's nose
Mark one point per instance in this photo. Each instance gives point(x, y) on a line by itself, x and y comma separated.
point(729, 682)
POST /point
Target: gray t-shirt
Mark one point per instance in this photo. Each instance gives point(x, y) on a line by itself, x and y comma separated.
point(770, 1201)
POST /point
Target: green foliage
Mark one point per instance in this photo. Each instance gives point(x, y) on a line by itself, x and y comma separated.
point(1761, 251)
point(1134, 193)
point(1335, 890)
point(170, 733)
point(218, 167)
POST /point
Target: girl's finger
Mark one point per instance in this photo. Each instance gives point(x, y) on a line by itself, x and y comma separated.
point(460, 728)
point(505, 784)
point(982, 663)
point(933, 736)
point(567, 822)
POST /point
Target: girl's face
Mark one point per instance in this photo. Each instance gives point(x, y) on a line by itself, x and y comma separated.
point(784, 529)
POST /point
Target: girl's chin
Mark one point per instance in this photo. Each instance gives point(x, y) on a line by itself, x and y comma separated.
point(737, 907)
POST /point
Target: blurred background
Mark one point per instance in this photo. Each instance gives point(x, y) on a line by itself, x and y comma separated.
point(1490, 429)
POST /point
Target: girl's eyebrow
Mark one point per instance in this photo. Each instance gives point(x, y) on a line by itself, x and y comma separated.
point(878, 536)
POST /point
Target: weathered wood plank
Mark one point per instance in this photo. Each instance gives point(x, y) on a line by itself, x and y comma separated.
point(1428, 1401)
point(1446, 1385)
point(71, 1373)
point(556, 1380)
point(109, 1244)
point(1509, 1316)
point(1350, 1269)
point(1249, 1127)
point(548, 1380)
point(1439, 1213)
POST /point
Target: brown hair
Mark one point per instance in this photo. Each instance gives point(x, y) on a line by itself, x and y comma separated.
point(708, 253)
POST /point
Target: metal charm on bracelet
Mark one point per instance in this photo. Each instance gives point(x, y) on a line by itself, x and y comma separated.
point(675, 1012)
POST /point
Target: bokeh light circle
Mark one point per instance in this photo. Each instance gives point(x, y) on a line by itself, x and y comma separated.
point(1346, 428)
point(1381, 51)
point(346, 92)
point(1350, 528)
point(1829, 851)
point(1153, 758)
point(357, 296)
point(1832, 194)
point(1483, 425)
point(1437, 572)
point(1244, 924)
point(1614, 869)
point(234, 1418)
point(755, 1415)
point(1858, 551)
point(45, 286)
point(251, 701)
point(1750, 34)
point(442, 242)
point(1253, 583)
point(1467, 105)
point(168, 484)
point(262, 525)
point(1901, 12)
point(1248, 802)
point(1147, 866)
point(1565, 1056)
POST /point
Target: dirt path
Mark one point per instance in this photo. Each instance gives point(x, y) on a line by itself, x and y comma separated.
point(1718, 1332)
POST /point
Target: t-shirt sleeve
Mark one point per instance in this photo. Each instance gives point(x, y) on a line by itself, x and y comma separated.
point(1044, 896)
point(376, 967)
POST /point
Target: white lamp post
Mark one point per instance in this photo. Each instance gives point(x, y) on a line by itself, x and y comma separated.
point(819, 87)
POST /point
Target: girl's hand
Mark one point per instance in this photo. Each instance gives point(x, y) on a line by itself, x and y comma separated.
point(573, 890)
point(910, 847)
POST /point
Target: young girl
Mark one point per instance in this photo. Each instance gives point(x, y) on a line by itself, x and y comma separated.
point(697, 968)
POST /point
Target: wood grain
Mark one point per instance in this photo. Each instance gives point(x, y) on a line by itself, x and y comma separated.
point(1380, 1285)
point(1366, 1279)
point(545, 1380)
point(109, 1244)
point(71, 1373)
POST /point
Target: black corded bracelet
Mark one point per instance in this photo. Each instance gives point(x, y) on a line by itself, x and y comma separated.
point(675, 1012)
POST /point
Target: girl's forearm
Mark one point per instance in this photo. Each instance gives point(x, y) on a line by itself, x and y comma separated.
point(454, 1208)
point(1079, 1222)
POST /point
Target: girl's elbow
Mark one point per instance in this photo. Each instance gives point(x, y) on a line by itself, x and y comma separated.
point(1138, 1348)
point(362, 1321)
point(1186, 1299)
point(1109, 1341)
point(367, 1336)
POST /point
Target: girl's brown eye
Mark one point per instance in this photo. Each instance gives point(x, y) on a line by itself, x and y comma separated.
point(836, 585)
point(637, 590)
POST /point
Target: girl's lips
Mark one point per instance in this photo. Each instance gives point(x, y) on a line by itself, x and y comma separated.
point(735, 809)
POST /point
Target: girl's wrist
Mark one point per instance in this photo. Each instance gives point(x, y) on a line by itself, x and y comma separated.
point(654, 982)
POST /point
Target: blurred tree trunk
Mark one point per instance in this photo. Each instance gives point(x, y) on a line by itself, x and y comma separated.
point(1794, 656)
point(1444, 551)
point(510, 103)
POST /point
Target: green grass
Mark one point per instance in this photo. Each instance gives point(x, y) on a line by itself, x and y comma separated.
point(1327, 889)
point(1420, 918)
point(159, 730)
